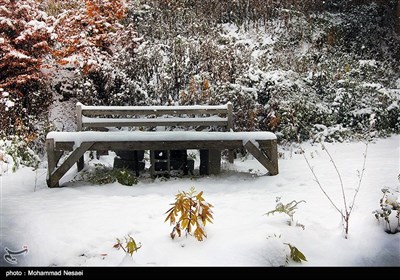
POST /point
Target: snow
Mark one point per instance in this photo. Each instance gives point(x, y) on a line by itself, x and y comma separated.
point(361, 112)
point(372, 85)
point(53, 36)
point(62, 114)
point(4, 20)
point(392, 106)
point(367, 62)
point(72, 60)
point(268, 40)
point(253, 38)
point(18, 55)
point(110, 136)
point(37, 25)
point(9, 103)
point(77, 225)
point(284, 78)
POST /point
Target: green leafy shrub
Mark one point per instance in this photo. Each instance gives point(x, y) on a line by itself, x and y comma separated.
point(389, 212)
point(103, 175)
point(128, 245)
point(125, 177)
point(190, 212)
point(15, 151)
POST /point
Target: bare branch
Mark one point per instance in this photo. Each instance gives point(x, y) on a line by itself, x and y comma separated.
point(360, 180)
point(340, 177)
point(319, 184)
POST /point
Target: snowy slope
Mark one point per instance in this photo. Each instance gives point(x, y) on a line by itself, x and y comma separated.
point(77, 225)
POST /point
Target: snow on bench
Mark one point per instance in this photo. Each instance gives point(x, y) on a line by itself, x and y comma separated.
point(262, 145)
point(161, 136)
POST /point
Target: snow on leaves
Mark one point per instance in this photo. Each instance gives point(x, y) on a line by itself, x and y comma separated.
point(87, 30)
point(25, 39)
point(35, 47)
point(24, 43)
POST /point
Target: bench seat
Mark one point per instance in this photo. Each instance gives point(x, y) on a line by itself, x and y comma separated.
point(163, 136)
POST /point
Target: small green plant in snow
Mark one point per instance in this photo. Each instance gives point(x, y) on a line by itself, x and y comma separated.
point(389, 212)
point(128, 245)
point(295, 254)
point(103, 175)
point(288, 209)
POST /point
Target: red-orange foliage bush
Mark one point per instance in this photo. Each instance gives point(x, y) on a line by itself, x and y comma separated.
point(87, 31)
point(24, 41)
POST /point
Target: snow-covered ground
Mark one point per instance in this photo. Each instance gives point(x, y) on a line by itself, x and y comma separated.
point(77, 225)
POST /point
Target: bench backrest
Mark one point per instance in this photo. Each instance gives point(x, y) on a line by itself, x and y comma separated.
point(199, 116)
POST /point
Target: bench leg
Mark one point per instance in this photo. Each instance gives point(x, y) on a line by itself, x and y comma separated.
point(231, 156)
point(152, 162)
point(136, 163)
point(80, 163)
point(55, 176)
point(272, 154)
point(210, 162)
point(267, 156)
point(51, 162)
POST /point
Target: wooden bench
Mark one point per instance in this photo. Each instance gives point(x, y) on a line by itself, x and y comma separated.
point(207, 119)
point(262, 145)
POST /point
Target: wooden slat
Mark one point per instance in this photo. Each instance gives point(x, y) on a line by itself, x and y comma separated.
point(167, 145)
point(64, 146)
point(154, 145)
point(54, 177)
point(172, 145)
point(153, 122)
point(231, 153)
point(270, 165)
point(78, 116)
point(158, 112)
point(230, 116)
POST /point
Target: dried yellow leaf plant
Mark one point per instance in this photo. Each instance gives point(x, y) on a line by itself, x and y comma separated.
point(189, 213)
